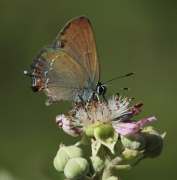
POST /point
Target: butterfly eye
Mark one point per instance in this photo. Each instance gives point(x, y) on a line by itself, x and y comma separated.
point(101, 89)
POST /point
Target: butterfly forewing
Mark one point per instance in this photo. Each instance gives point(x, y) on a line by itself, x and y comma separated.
point(77, 40)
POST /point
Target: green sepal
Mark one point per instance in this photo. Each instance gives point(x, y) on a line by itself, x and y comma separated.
point(107, 136)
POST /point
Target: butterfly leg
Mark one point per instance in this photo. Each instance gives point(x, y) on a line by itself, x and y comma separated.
point(79, 99)
point(105, 98)
point(94, 96)
point(117, 94)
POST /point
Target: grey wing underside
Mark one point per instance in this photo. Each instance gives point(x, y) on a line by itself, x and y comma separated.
point(71, 68)
point(63, 77)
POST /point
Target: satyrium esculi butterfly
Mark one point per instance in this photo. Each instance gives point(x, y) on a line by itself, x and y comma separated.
point(69, 68)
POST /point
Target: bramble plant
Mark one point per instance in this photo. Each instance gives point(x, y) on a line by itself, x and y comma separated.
point(113, 138)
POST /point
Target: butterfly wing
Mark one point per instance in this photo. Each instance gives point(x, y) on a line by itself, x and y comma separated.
point(77, 40)
point(69, 69)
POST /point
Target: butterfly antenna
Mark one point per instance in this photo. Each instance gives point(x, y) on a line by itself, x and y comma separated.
point(116, 86)
point(129, 74)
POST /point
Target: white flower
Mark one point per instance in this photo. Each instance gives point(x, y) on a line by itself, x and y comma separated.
point(85, 118)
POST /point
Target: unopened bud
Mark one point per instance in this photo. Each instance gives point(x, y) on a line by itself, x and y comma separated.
point(135, 141)
point(154, 142)
point(76, 168)
point(64, 153)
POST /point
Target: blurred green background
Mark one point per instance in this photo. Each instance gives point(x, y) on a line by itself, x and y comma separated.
point(138, 36)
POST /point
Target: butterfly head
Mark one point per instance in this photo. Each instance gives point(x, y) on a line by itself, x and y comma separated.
point(101, 89)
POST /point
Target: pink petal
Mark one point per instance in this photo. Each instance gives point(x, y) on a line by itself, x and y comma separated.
point(65, 123)
point(70, 131)
point(128, 128)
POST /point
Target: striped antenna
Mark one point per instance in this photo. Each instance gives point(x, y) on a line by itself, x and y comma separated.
point(116, 86)
point(129, 74)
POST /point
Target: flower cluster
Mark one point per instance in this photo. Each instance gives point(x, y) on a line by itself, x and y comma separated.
point(107, 127)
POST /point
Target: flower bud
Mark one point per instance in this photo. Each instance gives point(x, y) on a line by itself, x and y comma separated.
point(154, 142)
point(76, 168)
point(135, 141)
point(64, 153)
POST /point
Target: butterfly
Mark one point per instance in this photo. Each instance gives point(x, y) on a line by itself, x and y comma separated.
point(69, 68)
